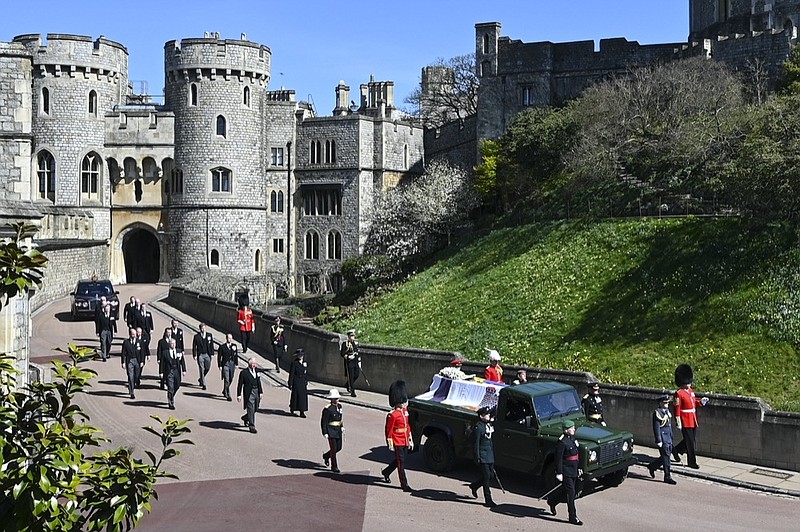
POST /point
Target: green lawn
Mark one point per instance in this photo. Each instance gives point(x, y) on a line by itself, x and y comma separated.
point(626, 300)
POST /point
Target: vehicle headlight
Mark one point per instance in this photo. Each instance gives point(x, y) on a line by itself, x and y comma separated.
point(82, 303)
point(592, 456)
point(625, 446)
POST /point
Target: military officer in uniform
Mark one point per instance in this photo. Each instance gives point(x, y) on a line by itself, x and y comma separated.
point(686, 405)
point(173, 366)
point(132, 360)
point(276, 333)
point(251, 385)
point(227, 358)
point(352, 361)
point(483, 451)
point(566, 462)
point(662, 430)
point(202, 349)
point(398, 434)
point(593, 404)
point(332, 429)
point(494, 371)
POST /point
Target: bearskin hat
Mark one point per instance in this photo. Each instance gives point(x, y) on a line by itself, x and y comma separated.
point(397, 393)
point(684, 375)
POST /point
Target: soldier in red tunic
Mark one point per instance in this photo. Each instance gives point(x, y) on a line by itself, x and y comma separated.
point(398, 433)
point(247, 325)
point(686, 405)
point(493, 372)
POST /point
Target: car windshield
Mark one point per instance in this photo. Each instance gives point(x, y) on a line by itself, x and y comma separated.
point(559, 404)
point(95, 289)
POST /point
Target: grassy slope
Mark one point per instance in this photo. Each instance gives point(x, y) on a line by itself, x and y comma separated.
point(626, 300)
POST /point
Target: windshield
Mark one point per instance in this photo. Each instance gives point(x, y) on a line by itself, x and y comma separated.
point(95, 289)
point(559, 404)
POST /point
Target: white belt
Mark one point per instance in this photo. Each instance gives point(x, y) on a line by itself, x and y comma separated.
point(688, 411)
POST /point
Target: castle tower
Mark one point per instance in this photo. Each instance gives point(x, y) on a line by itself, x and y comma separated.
point(15, 125)
point(216, 89)
point(75, 81)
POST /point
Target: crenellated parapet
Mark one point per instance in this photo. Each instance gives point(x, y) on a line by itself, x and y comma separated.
point(76, 56)
point(212, 58)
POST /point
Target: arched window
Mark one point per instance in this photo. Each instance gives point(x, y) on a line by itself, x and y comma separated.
point(246, 97)
point(315, 152)
point(90, 176)
point(45, 101)
point(193, 95)
point(486, 67)
point(312, 245)
point(46, 173)
point(276, 201)
point(214, 259)
point(486, 43)
point(330, 151)
point(131, 168)
point(221, 180)
point(149, 169)
point(405, 157)
point(222, 128)
point(258, 260)
point(335, 245)
point(177, 181)
point(92, 103)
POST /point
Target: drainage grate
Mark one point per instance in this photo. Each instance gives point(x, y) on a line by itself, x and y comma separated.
point(773, 474)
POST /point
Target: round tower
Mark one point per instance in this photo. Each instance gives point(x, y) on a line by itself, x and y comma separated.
point(75, 81)
point(216, 89)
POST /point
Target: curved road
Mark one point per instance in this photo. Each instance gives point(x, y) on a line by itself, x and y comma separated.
point(275, 480)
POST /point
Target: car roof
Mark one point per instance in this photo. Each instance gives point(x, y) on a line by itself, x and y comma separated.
point(540, 387)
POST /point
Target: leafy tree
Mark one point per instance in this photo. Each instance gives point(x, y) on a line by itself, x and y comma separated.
point(789, 83)
point(447, 92)
point(21, 268)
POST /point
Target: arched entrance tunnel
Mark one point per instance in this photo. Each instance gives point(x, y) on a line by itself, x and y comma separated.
point(142, 256)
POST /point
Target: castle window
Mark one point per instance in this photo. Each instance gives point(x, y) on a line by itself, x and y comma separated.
point(724, 9)
point(334, 283)
point(277, 245)
point(486, 68)
point(193, 95)
point(138, 190)
point(316, 152)
point(335, 245)
point(45, 101)
point(246, 97)
point(322, 202)
point(330, 151)
point(92, 103)
point(486, 43)
point(405, 157)
point(311, 284)
point(222, 127)
point(220, 180)
point(276, 201)
point(527, 96)
point(90, 175)
point(130, 168)
point(276, 156)
point(46, 173)
point(214, 259)
point(312, 245)
point(258, 265)
point(177, 181)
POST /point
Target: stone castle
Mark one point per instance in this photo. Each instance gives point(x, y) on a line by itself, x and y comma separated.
point(226, 175)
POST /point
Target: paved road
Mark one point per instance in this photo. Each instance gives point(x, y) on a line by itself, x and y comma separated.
point(275, 480)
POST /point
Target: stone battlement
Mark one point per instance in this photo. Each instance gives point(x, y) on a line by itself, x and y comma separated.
point(63, 53)
point(211, 57)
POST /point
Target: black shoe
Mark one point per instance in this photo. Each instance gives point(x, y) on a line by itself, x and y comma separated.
point(277, 369)
point(552, 508)
point(172, 407)
point(326, 460)
point(408, 489)
point(302, 414)
point(229, 398)
point(676, 457)
point(693, 466)
point(652, 472)
point(161, 386)
point(335, 470)
point(353, 394)
point(474, 492)
point(386, 478)
point(490, 504)
point(253, 430)
point(244, 420)
point(669, 480)
point(576, 521)
point(204, 386)
point(133, 396)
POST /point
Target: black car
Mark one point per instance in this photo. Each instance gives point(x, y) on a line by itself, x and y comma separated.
point(86, 297)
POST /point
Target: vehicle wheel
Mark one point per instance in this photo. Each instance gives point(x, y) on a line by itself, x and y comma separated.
point(614, 479)
point(438, 453)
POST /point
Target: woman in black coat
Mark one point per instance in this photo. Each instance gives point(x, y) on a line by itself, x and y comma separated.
point(298, 384)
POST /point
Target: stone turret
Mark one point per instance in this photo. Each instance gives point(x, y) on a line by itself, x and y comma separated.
point(216, 89)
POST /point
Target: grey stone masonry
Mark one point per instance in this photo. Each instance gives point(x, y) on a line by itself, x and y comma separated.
point(69, 261)
point(15, 122)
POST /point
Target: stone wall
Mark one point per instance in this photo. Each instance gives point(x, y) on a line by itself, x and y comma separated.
point(455, 142)
point(69, 261)
point(735, 428)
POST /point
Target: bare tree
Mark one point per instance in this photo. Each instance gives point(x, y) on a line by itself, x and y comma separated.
point(448, 91)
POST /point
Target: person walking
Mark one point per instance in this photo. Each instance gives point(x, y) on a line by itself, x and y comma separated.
point(250, 384)
point(276, 333)
point(247, 325)
point(483, 453)
point(686, 405)
point(177, 333)
point(593, 404)
point(298, 383)
point(352, 361)
point(130, 313)
point(202, 349)
point(162, 349)
point(494, 371)
point(132, 360)
point(174, 368)
point(332, 429)
point(662, 430)
point(105, 326)
point(146, 324)
point(227, 358)
point(566, 462)
point(398, 434)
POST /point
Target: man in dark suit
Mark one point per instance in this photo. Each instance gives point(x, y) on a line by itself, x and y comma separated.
point(177, 333)
point(132, 360)
point(105, 326)
point(227, 358)
point(173, 366)
point(251, 384)
point(130, 313)
point(202, 349)
point(145, 322)
point(162, 347)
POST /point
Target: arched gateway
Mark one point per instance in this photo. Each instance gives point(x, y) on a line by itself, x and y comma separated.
point(142, 256)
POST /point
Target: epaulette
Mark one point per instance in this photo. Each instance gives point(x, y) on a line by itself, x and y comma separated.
point(561, 437)
point(585, 396)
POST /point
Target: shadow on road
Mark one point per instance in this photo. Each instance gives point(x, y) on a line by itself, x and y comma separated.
point(516, 510)
point(151, 404)
point(64, 316)
point(292, 463)
point(442, 495)
point(109, 393)
point(364, 479)
point(274, 412)
point(225, 425)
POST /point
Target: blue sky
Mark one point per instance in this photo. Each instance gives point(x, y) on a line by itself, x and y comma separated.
point(314, 44)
